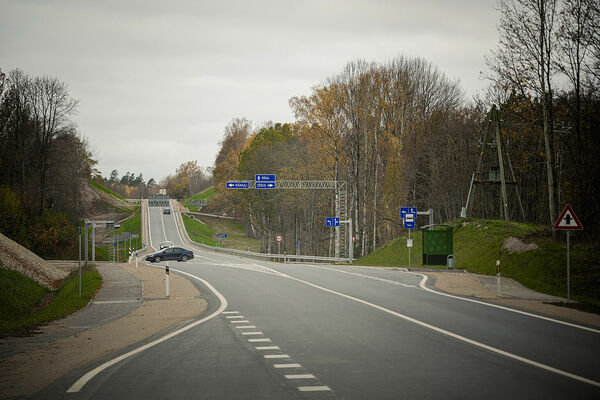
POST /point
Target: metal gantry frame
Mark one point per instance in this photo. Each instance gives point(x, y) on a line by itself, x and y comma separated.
point(343, 235)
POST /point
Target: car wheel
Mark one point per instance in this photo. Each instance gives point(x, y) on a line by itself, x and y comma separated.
point(157, 259)
point(184, 258)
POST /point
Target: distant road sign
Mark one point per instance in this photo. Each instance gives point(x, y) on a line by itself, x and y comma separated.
point(264, 185)
point(408, 214)
point(279, 238)
point(237, 185)
point(264, 177)
point(221, 235)
point(332, 221)
point(567, 221)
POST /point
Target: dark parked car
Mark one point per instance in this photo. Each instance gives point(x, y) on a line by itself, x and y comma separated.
point(171, 253)
point(167, 211)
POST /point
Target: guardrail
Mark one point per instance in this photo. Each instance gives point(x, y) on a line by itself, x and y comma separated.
point(259, 256)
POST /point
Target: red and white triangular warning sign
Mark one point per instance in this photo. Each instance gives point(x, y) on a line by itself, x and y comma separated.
point(567, 221)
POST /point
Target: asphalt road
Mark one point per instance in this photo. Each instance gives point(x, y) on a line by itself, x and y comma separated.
point(284, 331)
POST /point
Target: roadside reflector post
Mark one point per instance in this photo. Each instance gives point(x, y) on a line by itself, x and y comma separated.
point(568, 270)
point(167, 280)
point(79, 256)
point(136, 261)
point(497, 267)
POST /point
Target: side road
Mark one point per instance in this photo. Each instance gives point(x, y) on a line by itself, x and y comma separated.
point(130, 307)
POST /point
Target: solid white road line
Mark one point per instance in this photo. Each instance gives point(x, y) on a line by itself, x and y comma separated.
point(163, 223)
point(149, 228)
point(246, 327)
point(301, 376)
point(375, 278)
point(451, 334)
point(239, 321)
point(251, 333)
point(115, 301)
point(259, 340)
point(80, 383)
point(267, 348)
point(314, 388)
point(292, 365)
point(425, 277)
point(276, 356)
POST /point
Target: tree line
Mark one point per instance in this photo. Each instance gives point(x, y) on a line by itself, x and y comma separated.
point(401, 133)
point(43, 162)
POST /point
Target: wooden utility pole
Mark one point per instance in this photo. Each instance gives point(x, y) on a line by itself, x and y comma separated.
point(501, 165)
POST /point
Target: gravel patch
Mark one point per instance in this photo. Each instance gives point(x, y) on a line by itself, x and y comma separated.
point(15, 257)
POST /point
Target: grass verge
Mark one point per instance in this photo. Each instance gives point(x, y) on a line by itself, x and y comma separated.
point(198, 231)
point(26, 304)
point(105, 189)
point(479, 243)
point(203, 195)
point(133, 225)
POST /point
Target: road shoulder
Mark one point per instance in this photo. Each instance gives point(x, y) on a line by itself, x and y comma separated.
point(507, 292)
point(31, 370)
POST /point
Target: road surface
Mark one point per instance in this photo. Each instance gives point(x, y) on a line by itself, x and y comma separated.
point(289, 331)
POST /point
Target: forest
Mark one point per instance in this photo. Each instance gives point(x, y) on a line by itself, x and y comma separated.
point(401, 133)
point(43, 161)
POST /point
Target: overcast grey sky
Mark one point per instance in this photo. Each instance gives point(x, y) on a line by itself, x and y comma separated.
point(158, 80)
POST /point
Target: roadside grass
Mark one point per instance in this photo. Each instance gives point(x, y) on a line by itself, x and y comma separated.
point(206, 194)
point(132, 224)
point(236, 233)
point(105, 189)
point(27, 304)
point(479, 243)
point(110, 192)
point(199, 232)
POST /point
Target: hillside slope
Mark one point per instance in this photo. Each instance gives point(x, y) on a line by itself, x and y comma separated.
point(15, 257)
point(527, 254)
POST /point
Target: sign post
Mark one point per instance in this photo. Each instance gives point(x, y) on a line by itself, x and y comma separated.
point(79, 256)
point(279, 238)
point(408, 215)
point(568, 221)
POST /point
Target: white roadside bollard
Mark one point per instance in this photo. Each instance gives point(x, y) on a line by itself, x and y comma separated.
point(167, 279)
point(136, 261)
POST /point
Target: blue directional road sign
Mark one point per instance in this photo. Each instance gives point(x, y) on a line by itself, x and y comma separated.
point(332, 221)
point(408, 214)
point(264, 185)
point(264, 178)
point(221, 235)
point(237, 185)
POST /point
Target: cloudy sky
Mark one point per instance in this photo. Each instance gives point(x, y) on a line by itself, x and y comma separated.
point(157, 81)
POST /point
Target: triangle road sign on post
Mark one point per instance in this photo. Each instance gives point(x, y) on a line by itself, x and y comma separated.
point(567, 221)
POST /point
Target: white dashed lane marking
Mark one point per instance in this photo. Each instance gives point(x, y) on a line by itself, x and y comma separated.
point(301, 376)
point(231, 312)
point(238, 319)
point(314, 388)
point(276, 356)
point(291, 365)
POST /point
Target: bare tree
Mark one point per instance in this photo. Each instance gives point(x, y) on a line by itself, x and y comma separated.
point(524, 60)
point(51, 108)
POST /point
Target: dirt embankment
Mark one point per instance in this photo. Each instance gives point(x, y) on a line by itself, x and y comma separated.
point(15, 257)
